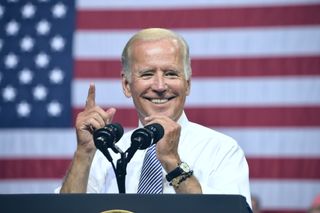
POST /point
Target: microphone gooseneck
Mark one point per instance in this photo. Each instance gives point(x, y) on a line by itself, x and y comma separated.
point(105, 138)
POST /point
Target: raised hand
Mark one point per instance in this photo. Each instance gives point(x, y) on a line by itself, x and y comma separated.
point(93, 117)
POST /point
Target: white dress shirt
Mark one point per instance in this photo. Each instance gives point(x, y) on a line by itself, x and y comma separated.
point(217, 162)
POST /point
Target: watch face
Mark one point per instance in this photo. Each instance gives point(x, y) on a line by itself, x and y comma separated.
point(184, 167)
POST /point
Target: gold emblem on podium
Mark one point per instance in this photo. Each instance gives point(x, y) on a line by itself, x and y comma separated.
point(117, 211)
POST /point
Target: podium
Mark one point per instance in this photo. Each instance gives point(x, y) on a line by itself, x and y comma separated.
point(96, 203)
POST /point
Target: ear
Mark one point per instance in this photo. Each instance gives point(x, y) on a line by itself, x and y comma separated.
point(125, 86)
point(188, 86)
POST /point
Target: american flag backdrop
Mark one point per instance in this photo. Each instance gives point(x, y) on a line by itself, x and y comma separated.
point(256, 77)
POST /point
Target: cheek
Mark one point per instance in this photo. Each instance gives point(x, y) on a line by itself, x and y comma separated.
point(140, 85)
point(136, 88)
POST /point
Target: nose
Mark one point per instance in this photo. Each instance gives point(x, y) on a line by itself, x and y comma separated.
point(159, 83)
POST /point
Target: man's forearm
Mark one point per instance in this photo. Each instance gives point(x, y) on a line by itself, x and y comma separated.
point(76, 180)
point(190, 186)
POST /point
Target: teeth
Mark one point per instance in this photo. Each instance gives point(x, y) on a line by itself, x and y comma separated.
point(159, 101)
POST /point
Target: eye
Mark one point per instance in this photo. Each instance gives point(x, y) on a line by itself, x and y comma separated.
point(172, 73)
point(146, 74)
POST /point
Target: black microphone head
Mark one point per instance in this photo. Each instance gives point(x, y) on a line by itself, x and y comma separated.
point(118, 130)
point(144, 137)
point(157, 131)
point(108, 135)
point(141, 138)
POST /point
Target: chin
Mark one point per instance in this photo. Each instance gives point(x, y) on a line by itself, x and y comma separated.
point(161, 113)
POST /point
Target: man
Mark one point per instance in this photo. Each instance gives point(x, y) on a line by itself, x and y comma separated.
point(157, 76)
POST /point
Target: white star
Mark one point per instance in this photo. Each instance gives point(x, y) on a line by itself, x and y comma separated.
point(25, 76)
point(9, 93)
point(1, 11)
point(12, 28)
point(11, 60)
point(28, 10)
point(43, 27)
point(54, 108)
point(27, 43)
point(56, 76)
point(59, 10)
point(23, 109)
point(57, 43)
point(42, 60)
point(40, 92)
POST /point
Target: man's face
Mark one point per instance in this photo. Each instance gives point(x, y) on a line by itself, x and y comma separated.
point(158, 84)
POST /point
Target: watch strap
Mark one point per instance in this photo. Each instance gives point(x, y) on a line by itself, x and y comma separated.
point(180, 170)
point(173, 174)
point(178, 180)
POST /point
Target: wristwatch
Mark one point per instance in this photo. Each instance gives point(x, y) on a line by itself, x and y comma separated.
point(182, 170)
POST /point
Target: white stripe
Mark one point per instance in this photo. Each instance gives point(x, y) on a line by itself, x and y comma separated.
point(32, 143)
point(133, 4)
point(277, 142)
point(256, 142)
point(108, 93)
point(248, 42)
point(285, 194)
point(100, 44)
point(273, 41)
point(29, 186)
point(264, 91)
point(255, 91)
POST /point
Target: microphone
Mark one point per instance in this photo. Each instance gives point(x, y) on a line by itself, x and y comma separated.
point(145, 137)
point(107, 136)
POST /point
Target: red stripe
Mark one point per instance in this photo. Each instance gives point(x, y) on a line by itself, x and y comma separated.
point(256, 117)
point(237, 116)
point(33, 168)
point(298, 168)
point(215, 67)
point(199, 17)
point(284, 168)
point(97, 68)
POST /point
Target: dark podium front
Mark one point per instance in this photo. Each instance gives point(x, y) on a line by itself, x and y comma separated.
point(95, 203)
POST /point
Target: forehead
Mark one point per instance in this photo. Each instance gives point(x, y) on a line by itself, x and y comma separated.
point(152, 48)
point(168, 42)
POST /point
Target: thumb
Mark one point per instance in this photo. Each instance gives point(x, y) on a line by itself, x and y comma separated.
point(110, 114)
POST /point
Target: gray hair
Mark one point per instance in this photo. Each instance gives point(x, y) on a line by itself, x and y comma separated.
point(156, 34)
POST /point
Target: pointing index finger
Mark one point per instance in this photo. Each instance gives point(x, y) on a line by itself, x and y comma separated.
point(91, 97)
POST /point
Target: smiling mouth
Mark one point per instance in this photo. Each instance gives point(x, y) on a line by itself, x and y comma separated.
point(159, 100)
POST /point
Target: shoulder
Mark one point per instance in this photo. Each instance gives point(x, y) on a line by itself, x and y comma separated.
point(197, 138)
point(203, 133)
point(204, 147)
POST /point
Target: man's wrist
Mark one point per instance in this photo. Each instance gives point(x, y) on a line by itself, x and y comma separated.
point(179, 174)
point(175, 182)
